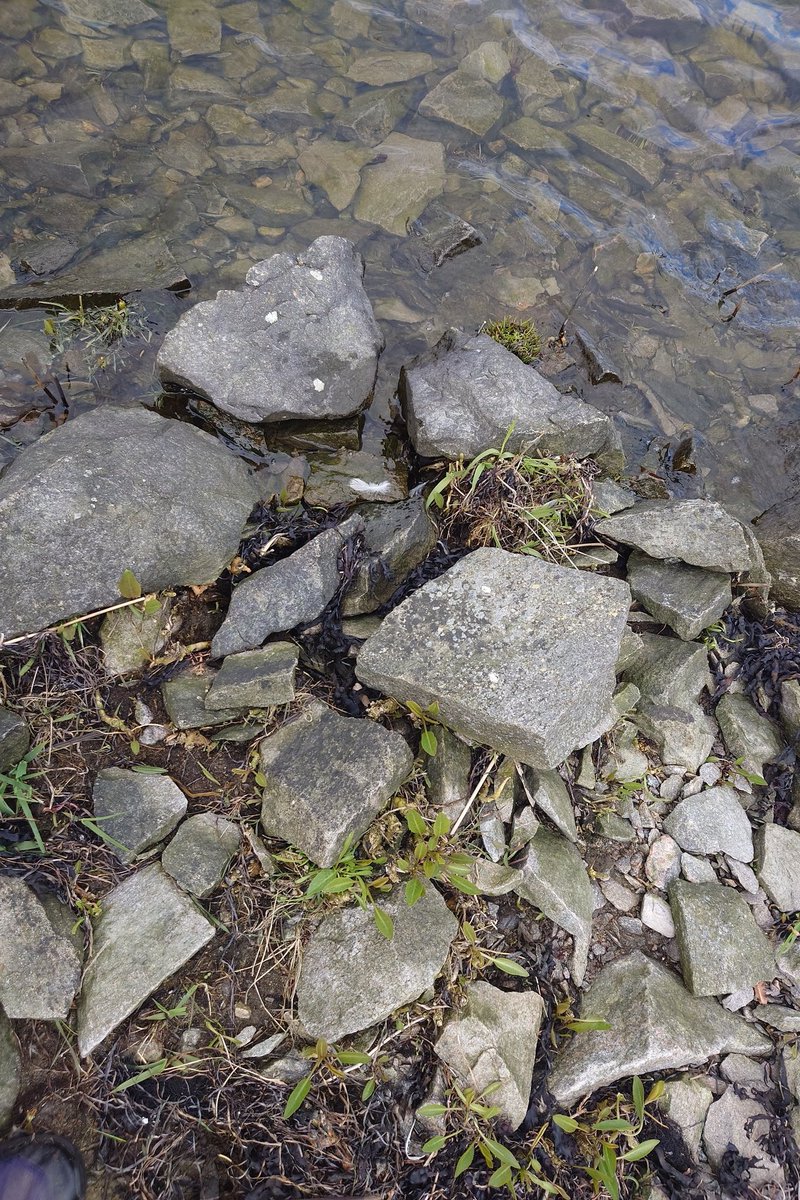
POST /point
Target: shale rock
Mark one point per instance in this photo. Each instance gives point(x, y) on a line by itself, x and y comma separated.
point(255, 678)
point(136, 810)
point(739, 1123)
point(463, 100)
point(15, 738)
point(710, 822)
point(688, 599)
point(554, 879)
point(39, 967)
point(698, 532)
point(198, 855)
point(748, 734)
point(397, 537)
point(408, 173)
point(722, 949)
point(778, 865)
point(670, 675)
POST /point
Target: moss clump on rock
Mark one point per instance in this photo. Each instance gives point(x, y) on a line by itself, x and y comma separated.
point(520, 337)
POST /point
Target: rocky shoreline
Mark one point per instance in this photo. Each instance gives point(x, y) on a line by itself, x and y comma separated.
point(442, 760)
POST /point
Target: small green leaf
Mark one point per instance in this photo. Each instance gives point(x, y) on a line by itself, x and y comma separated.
point(441, 826)
point(297, 1096)
point(148, 1073)
point(351, 1057)
point(640, 1151)
point(501, 1152)
point(415, 709)
point(335, 887)
point(369, 1088)
point(462, 885)
point(469, 932)
point(656, 1092)
point(588, 1025)
point(464, 1161)
point(151, 606)
point(383, 922)
point(638, 1097)
point(501, 1176)
point(434, 1144)
point(415, 822)
point(509, 967)
point(319, 880)
point(431, 1110)
point(616, 1123)
point(428, 742)
point(129, 587)
point(568, 1124)
point(414, 891)
point(261, 779)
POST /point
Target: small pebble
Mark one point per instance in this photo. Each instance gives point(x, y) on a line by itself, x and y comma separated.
point(657, 915)
point(241, 1012)
point(697, 869)
point(622, 898)
point(739, 999)
point(744, 875)
point(710, 773)
point(693, 787)
point(663, 862)
point(245, 1036)
point(631, 925)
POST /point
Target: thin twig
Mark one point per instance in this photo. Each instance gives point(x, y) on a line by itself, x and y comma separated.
point(492, 764)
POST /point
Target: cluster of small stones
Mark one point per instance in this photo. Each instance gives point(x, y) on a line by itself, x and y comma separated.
point(591, 689)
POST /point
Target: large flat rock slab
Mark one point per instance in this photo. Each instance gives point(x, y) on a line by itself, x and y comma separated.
point(147, 930)
point(353, 977)
point(655, 1025)
point(464, 394)
point(519, 654)
point(39, 967)
point(115, 489)
point(298, 341)
point(698, 532)
point(722, 949)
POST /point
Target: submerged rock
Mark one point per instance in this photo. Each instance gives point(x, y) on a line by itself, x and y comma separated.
point(297, 341)
point(722, 949)
point(698, 532)
point(407, 175)
point(655, 1025)
point(555, 880)
point(39, 967)
point(465, 393)
point(148, 930)
point(137, 810)
point(114, 490)
point(352, 977)
point(518, 653)
point(15, 738)
point(688, 599)
point(464, 100)
point(493, 1040)
point(198, 855)
point(335, 167)
point(327, 778)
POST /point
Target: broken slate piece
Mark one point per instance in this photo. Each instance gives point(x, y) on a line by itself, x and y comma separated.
point(550, 795)
point(670, 675)
point(298, 341)
point(736, 1124)
point(493, 1040)
point(39, 968)
point(656, 915)
point(710, 822)
point(519, 654)
point(778, 865)
point(276, 598)
point(688, 599)
point(185, 700)
point(397, 537)
point(353, 977)
point(465, 393)
point(148, 930)
point(462, 100)
point(748, 735)
point(721, 947)
point(686, 1101)
point(555, 881)
point(698, 532)
point(255, 678)
point(655, 1025)
point(442, 235)
point(327, 778)
point(198, 855)
point(136, 810)
point(15, 738)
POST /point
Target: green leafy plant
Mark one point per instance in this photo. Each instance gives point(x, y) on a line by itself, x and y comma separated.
point(520, 337)
point(481, 958)
point(17, 799)
point(179, 1010)
point(179, 1065)
point(99, 329)
point(432, 856)
point(424, 718)
point(327, 1059)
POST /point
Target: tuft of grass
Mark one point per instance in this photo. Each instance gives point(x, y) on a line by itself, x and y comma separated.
point(101, 330)
point(520, 337)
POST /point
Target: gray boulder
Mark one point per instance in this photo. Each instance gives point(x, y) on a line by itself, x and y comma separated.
point(198, 855)
point(297, 341)
point(778, 865)
point(698, 532)
point(10, 1070)
point(148, 929)
point(493, 1040)
point(655, 1025)
point(352, 977)
point(778, 533)
point(748, 734)
point(115, 489)
point(722, 949)
point(136, 810)
point(555, 881)
point(518, 653)
point(710, 822)
point(278, 597)
point(39, 967)
point(463, 395)
point(397, 537)
point(740, 1123)
point(255, 678)
point(688, 599)
point(327, 778)
point(15, 738)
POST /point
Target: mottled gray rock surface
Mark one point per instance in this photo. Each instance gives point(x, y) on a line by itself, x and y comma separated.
point(115, 489)
point(147, 930)
point(778, 533)
point(656, 1025)
point(198, 855)
point(353, 977)
point(137, 810)
point(551, 796)
point(448, 773)
point(463, 395)
point(10, 1070)
point(688, 599)
point(185, 700)
point(722, 949)
point(327, 778)
point(712, 821)
point(698, 532)
point(554, 879)
point(297, 341)
point(670, 675)
point(493, 1040)
point(740, 1123)
point(748, 735)
point(397, 537)
point(255, 678)
point(39, 967)
point(778, 865)
point(15, 738)
point(518, 653)
point(686, 1102)
point(464, 101)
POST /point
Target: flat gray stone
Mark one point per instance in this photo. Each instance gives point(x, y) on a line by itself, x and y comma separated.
point(710, 822)
point(407, 174)
point(554, 879)
point(688, 599)
point(663, 862)
point(137, 810)
point(610, 497)
point(184, 698)
point(778, 1016)
point(790, 707)
point(39, 968)
point(656, 915)
point(327, 778)
point(778, 533)
point(10, 1070)
point(335, 167)
point(670, 675)
point(463, 395)
point(122, 13)
point(352, 977)
point(448, 773)
point(655, 1025)
point(255, 678)
point(641, 166)
point(518, 653)
point(698, 532)
point(397, 537)
point(551, 796)
point(742, 1123)
point(778, 865)
point(15, 738)
point(462, 100)
point(493, 1040)
point(147, 931)
point(131, 265)
point(276, 598)
point(198, 855)
point(297, 341)
point(115, 489)
point(748, 734)
point(487, 61)
point(686, 1102)
point(721, 947)
point(379, 67)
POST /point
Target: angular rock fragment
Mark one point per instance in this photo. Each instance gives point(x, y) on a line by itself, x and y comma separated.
point(199, 853)
point(10, 1070)
point(255, 678)
point(380, 67)
point(642, 167)
point(397, 537)
point(353, 977)
point(655, 1025)
point(463, 395)
point(15, 738)
point(722, 949)
point(132, 637)
point(463, 100)
point(740, 1123)
point(185, 700)
point(686, 1102)
point(670, 675)
point(327, 778)
point(136, 810)
point(408, 173)
point(778, 865)
point(551, 796)
point(554, 879)
point(114, 490)
point(39, 968)
point(688, 599)
point(698, 532)
point(493, 1040)
point(518, 653)
point(710, 822)
point(335, 167)
point(749, 736)
point(298, 341)
point(130, 265)
point(148, 930)
point(778, 533)
point(448, 772)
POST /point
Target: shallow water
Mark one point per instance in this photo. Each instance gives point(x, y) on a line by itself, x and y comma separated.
point(655, 169)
